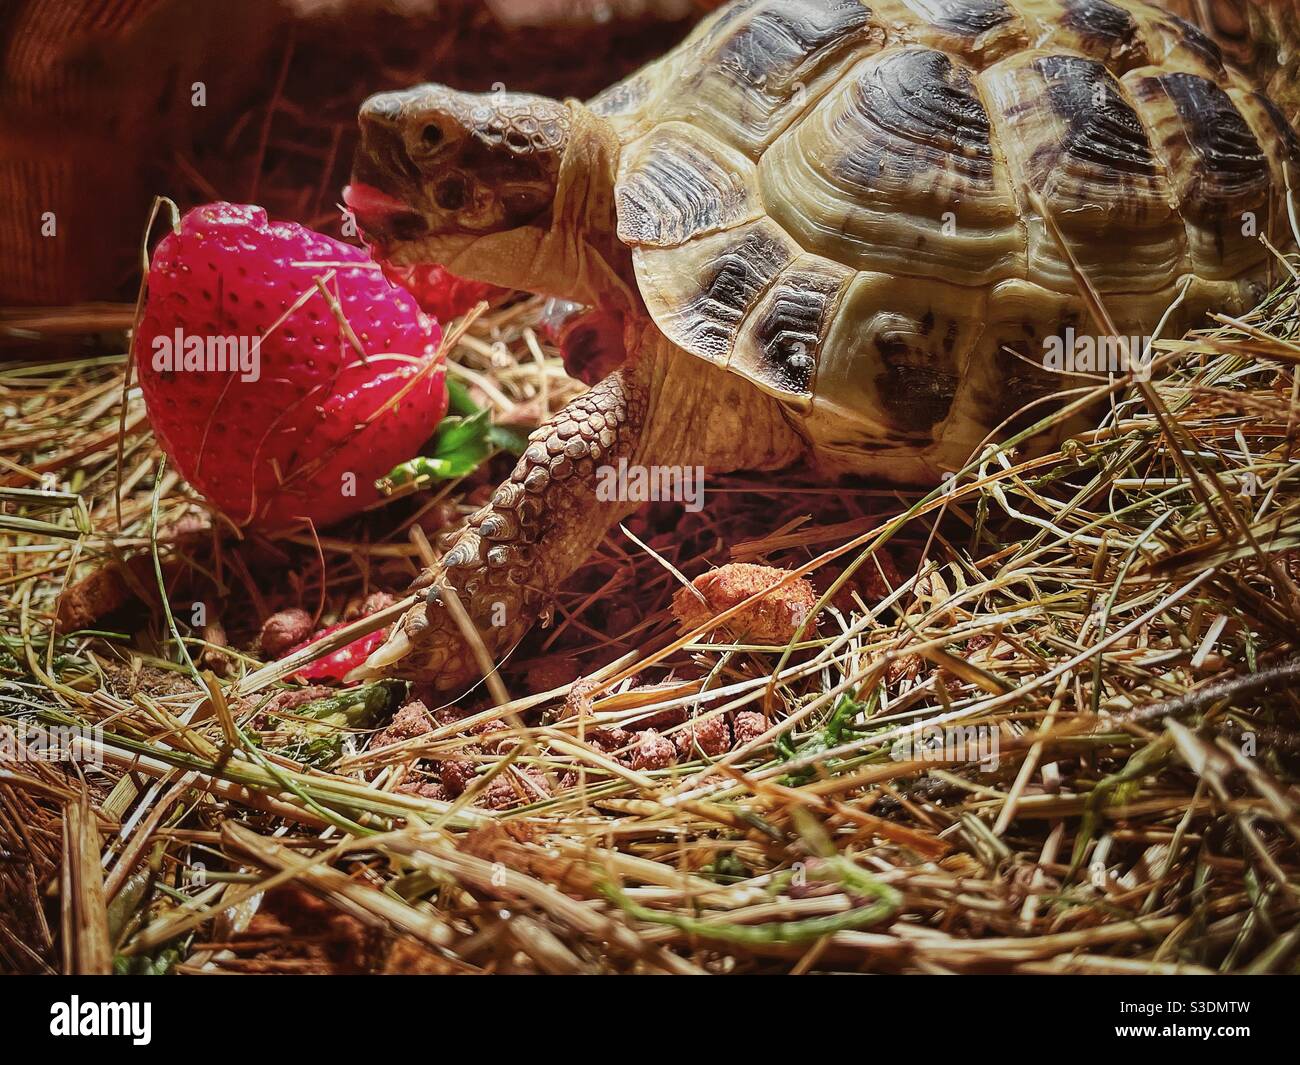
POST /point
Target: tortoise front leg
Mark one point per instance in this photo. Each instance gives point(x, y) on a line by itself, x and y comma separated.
point(541, 524)
point(663, 408)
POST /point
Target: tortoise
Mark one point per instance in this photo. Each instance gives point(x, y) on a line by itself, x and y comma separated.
point(841, 230)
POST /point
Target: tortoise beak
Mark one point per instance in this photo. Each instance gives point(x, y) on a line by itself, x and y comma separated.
point(384, 178)
point(372, 206)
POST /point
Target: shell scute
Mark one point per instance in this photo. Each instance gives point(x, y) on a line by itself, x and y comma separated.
point(897, 351)
point(1183, 46)
point(1077, 147)
point(780, 342)
point(981, 31)
point(701, 293)
point(1104, 30)
point(747, 84)
point(1218, 169)
point(678, 183)
point(897, 169)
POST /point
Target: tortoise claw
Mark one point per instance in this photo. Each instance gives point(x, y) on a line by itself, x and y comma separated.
point(393, 650)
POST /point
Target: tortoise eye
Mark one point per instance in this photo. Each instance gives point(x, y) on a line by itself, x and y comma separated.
point(431, 135)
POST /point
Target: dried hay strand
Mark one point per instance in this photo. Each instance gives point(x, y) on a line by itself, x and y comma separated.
point(1045, 719)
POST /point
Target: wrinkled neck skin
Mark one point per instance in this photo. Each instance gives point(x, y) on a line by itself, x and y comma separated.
point(577, 256)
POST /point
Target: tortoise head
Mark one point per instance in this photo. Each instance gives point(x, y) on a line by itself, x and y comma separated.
point(439, 170)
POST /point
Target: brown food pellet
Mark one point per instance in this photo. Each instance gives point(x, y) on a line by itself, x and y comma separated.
point(449, 715)
point(869, 577)
point(609, 739)
point(507, 791)
point(653, 751)
point(425, 789)
point(285, 629)
point(410, 721)
point(456, 775)
point(375, 602)
point(711, 735)
point(772, 619)
point(906, 668)
point(748, 725)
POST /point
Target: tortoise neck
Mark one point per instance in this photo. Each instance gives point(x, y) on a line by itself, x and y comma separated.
point(581, 254)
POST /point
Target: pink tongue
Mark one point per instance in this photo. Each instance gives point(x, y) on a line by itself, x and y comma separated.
point(368, 201)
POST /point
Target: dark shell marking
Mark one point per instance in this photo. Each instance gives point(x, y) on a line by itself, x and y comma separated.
point(623, 97)
point(1106, 31)
point(1198, 42)
point(915, 388)
point(965, 18)
point(778, 40)
point(1230, 170)
point(1101, 20)
point(915, 111)
point(789, 337)
point(1102, 127)
point(738, 276)
point(675, 190)
point(773, 53)
point(790, 330)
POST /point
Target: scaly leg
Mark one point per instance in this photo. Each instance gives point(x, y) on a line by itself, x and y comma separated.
point(547, 519)
point(540, 526)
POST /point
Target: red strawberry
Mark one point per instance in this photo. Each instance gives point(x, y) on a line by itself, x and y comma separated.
point(338, 665)
point(305, 424)
point(440, 292)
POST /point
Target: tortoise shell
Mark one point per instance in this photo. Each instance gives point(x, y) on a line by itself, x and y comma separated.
point(879, 211)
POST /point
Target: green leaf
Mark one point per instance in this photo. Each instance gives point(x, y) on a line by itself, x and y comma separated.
point(458, 398)
point(316, 729)
point(463, 441)
point(456, 434)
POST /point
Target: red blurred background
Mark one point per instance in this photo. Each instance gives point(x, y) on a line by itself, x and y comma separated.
point(106, 103)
